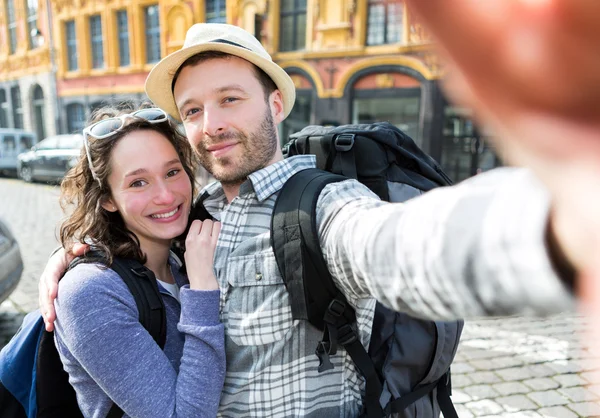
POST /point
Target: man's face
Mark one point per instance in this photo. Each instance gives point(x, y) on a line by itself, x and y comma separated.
point(227, 119)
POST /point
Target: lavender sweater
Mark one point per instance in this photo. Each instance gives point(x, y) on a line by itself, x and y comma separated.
point(110, 357)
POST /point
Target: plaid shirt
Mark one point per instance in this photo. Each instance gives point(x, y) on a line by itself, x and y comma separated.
point(446, 255)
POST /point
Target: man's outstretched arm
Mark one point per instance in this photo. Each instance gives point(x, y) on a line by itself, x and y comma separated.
point(475, 249)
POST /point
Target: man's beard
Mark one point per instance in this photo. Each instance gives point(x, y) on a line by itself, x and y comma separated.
point(258, 149)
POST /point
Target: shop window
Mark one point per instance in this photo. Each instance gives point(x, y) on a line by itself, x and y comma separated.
point(400, 107)
point(385, 22)
point(75, 117)
point(299, 117)
point(466, 151)
point(152, 23)
point(123, 38)
point(292, 29)
point(215, 11)
point(96, 42)
point(71, 39)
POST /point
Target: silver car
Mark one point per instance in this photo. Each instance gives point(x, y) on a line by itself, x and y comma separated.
point(11, 264)
point(50, 159)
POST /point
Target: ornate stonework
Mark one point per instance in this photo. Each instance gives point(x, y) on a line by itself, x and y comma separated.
point(384, 81)
point(31, 62)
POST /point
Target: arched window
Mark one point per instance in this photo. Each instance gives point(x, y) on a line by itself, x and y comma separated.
point(388, 96)
point(3, 109)
point(38, 112)
point(15, 95)
point(75, 117)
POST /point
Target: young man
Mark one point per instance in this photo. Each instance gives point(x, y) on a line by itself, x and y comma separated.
point(474, 249)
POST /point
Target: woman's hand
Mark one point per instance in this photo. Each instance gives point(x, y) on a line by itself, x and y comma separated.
point(200, 246)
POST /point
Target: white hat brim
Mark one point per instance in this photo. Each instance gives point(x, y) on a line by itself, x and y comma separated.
point(160, 80)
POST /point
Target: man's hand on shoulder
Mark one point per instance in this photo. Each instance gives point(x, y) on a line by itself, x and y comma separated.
point(48, 285)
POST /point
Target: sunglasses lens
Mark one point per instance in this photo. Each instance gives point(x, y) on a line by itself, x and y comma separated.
point(150, 114)
point(106, 127)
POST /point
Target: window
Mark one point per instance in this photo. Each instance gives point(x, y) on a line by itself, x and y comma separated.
point(12, 26)
point(15, 94)
point(400, 107)
point(96, 40)
point(71, 45)
point(32, 6)
point(3, 109)
point(300, 115)
point(25, 142)
point(123, 38)
point(38, 111)
point(10, 146)
point(75, 117)
point(292, 28)
point(152, 34)
point(385, 22)
point(215, 11)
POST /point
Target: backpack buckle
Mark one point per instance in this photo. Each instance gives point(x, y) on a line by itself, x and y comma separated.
point(336, 308)
point(344, 142)
point(322, 353)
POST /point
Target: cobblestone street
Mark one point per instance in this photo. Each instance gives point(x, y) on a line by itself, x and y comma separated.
point(516, 367)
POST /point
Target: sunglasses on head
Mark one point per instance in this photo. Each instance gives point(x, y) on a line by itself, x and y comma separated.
point(108, 127)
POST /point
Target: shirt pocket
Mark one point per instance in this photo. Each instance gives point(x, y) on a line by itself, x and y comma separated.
point(257, 308)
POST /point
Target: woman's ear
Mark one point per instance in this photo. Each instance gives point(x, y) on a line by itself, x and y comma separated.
point(109, 205)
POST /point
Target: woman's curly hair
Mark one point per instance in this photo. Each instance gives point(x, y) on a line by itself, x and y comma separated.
point(89, 222)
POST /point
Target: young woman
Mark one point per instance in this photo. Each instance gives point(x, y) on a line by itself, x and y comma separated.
point(132, 194)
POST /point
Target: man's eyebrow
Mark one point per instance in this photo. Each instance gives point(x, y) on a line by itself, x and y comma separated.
point(230, 87)
point(219, 90)
point(143, 170)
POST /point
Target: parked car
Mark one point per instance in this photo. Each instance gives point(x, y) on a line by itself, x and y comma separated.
point(12, 143)
point(11, 264)
point(51, 158)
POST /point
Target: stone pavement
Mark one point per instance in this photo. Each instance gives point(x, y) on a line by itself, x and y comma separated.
point(516, 367)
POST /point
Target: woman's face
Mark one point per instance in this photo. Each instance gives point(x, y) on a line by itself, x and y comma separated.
point(149, 187)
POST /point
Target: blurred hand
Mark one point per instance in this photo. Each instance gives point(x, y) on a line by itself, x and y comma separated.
point(530, 69)
point(200, 246)
point(48, 284)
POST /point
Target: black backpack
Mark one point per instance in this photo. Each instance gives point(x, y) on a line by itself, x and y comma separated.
point(407, 365)
point(33, 382)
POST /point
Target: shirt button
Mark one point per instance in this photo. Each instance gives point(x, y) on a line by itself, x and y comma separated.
point(258, 277)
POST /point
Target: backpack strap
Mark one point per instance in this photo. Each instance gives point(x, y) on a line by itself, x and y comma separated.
point(142, 284)
point(313, 294)
point(444, 391)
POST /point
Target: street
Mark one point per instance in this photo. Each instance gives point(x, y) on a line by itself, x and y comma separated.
point(517, 367)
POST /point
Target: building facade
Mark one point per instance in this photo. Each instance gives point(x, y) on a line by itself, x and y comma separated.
point(352, 61)
point(28, 95)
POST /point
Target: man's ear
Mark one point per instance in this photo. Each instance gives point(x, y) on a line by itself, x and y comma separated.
point(276, 105)
point(109, 205)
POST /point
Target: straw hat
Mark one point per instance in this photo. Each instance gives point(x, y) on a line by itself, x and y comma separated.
point(215, 37)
